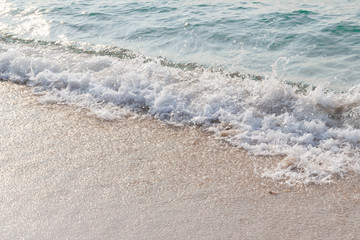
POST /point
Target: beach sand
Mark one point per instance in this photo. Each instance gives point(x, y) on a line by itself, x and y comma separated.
point(66, 174)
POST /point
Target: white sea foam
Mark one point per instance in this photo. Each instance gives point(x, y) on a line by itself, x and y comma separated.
point(317, 131)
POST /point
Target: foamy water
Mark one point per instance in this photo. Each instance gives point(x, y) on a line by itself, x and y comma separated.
point(315, 128)
point(273, 79)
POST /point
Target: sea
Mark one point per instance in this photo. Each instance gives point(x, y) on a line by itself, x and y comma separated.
point(277, 78)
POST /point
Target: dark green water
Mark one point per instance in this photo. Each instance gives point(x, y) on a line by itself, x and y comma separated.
point(319, 39)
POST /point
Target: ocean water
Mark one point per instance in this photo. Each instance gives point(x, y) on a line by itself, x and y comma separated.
point(273, 77)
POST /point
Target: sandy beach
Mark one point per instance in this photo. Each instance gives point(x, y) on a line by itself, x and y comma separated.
point(66, 174)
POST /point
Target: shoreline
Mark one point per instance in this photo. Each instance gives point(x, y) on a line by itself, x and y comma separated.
point(68, 174)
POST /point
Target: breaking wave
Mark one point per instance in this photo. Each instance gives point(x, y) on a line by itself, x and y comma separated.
point(313, 129)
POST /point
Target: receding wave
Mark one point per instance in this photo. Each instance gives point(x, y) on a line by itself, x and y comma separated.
point(314, 130)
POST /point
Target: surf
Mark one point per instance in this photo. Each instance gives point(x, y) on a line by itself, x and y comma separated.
point(313, 126)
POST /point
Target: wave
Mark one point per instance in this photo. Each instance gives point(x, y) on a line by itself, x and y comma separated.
point(314, 130)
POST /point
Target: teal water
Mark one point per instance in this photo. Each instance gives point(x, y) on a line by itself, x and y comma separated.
point(320, 39)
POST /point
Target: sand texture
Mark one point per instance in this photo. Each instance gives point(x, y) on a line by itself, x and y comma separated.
point(66, 174)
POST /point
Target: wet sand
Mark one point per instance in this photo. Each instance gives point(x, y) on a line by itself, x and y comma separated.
point(66, 174)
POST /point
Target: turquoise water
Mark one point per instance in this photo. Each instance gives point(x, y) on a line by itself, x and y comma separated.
point(274, 78)
point(320, 39)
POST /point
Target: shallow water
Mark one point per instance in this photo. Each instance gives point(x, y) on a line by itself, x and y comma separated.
point(321, 40)
point(273, 78)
